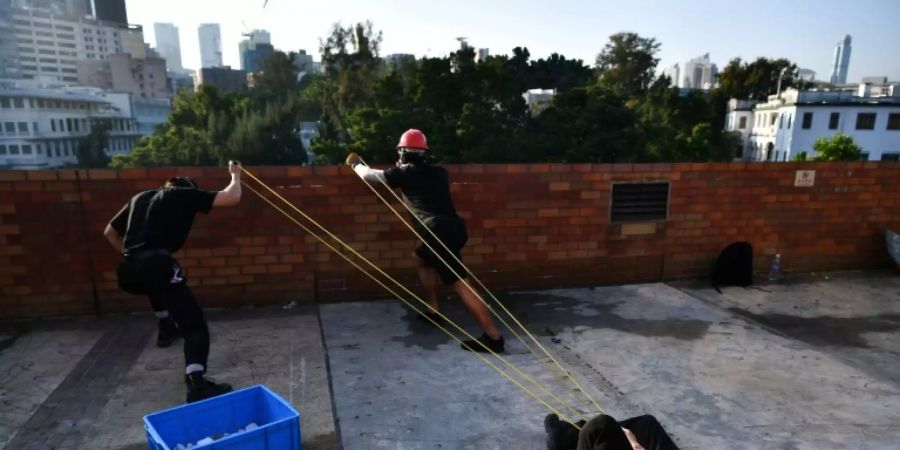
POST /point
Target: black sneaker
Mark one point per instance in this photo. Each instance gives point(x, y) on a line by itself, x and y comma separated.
point(560, 435)
point(494, 345)
point(168, 332)
point(200, 387)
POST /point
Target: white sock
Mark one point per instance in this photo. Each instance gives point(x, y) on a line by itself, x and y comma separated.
point(191, 368)
point(162, 314)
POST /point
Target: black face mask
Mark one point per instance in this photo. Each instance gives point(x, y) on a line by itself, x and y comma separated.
point(412, 158)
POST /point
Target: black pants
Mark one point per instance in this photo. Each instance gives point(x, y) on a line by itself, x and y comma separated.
point(604, 433)
point(162, 280)
point(452, 234)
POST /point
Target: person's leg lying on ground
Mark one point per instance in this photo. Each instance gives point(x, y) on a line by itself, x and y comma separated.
point(189, 317)
point(649, 433)
point(561, 435)
point(603, 433)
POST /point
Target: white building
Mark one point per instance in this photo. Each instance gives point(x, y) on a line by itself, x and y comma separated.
point(40, 127)
point(168, 44)
point(699, 73)
point(210, 45)
point(789, 124)
point(482, 54)
point(538, 100)
point(49, 46)
point(740, 118)
point(148, 113)
point(9, 56)
point(674, 74)
point(840, 64)
point(253, 39)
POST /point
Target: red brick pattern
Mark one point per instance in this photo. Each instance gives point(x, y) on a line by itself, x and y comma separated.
point(530, 226)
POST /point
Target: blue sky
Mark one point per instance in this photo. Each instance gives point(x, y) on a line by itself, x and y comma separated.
point(804, 31)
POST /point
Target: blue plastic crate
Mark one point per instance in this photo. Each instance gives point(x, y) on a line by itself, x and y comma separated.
point(279, 423)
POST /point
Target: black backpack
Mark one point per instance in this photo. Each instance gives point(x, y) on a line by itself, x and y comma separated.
point(734, 266)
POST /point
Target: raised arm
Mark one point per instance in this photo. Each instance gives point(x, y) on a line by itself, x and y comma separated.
point(231, 195)
point(367, 173)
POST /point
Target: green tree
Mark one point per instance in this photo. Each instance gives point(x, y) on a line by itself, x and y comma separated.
point(92, 148)
point(268, 136)
point(195, 133)
point(591, 124)
point(628, 62)
point(839, 147)
point(557, 72)
point(759, 79)
point(276, 80)
point(352, 65)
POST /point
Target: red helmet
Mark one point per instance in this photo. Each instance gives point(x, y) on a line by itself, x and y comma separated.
point(413, 139)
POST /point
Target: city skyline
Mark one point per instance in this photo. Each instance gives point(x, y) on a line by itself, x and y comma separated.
point(804, 32)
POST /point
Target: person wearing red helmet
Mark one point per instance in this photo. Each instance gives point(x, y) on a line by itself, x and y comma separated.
point(426, 190)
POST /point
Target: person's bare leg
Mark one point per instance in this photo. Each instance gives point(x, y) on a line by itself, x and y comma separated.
point(477, 308)
point(430, 282)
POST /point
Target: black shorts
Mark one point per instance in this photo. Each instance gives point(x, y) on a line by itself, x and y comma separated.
point(452, 232)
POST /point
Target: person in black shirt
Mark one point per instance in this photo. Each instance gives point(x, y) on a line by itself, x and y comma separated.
point(426, 190)
point(151, 227)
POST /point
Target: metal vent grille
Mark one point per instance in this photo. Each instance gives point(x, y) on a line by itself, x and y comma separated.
point(637, 202)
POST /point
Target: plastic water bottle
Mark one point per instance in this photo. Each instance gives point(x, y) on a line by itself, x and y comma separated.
point(775, 268)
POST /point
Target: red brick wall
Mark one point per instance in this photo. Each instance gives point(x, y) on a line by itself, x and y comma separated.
point(530, 226)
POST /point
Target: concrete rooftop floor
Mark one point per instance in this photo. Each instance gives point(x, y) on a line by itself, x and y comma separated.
point(801, 364)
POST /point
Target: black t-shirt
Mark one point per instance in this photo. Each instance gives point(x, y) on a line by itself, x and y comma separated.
point(160, 219)
point(426, 190)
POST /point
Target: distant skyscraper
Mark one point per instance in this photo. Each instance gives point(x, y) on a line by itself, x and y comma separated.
point(253, 58)
point(674, 74)
point(210, 45)
point(69, 8)
point(699, 73)
point(841, 62)
point(303, 61)
point(111, 11)
point(254, 38)
point(168, 45)
point(482, 54)
point(9, 55)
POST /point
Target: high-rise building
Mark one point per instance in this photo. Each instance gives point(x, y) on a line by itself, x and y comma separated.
point(303, 61)
point(482, 54)
point(9, 55)
point(168, 45)
point(56, 55)
point(253, 58)
point(841, 62)
point(210, 45)
point(69, 8)
point(699, 73)
point(224, 78)
point(111, 11)
point(142, 76)
point(181, 81)
point(674, 75)
point(257, 46)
